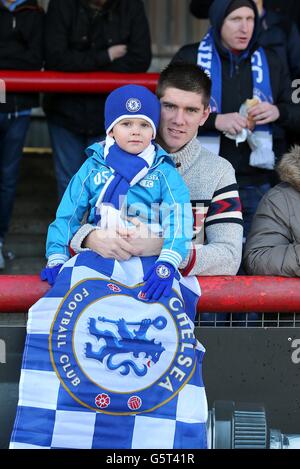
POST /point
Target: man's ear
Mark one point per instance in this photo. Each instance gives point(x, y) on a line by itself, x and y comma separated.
point(111, 133)
point(205, 115)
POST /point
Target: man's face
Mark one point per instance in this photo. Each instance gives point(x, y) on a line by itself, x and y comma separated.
point(182, 112)
point(237, 29)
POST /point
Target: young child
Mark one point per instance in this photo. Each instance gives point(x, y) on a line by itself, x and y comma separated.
point(124, 176)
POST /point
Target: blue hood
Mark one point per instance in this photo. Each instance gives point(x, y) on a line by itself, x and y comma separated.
point(217, 15)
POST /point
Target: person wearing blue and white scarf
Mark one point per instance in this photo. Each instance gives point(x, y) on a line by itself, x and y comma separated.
point(124, 176)
point(241, 70)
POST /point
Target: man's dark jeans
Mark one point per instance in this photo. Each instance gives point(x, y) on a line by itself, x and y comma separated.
point(68, 152)
point(13, 129)
point(250, 197)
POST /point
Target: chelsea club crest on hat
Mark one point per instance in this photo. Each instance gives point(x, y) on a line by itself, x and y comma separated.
point(131, 101)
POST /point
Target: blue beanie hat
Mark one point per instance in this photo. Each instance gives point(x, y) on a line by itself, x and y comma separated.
point(131, 101)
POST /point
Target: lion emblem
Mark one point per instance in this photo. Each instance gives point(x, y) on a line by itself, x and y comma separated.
point(133, 342)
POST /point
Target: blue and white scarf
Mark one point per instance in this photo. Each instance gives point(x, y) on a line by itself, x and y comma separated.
point(209, 59)
point(12, 6)
point(128, 170)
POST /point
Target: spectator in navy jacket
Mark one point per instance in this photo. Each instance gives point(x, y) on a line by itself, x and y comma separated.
point(21, 30)
point(237, 65)
point(277, 28)
point(87, 36)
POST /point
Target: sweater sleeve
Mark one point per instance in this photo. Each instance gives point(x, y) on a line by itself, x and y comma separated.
point(271, 248)
point(218, 245)
point(176, 217)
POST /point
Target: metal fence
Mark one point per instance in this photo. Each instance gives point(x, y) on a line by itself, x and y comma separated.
point(253, 320)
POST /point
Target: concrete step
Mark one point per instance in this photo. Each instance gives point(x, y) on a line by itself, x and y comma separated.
point(26, 245)
point(29, 226)
point(23, 265)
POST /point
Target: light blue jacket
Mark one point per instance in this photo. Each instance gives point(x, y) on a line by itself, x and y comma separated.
point(162, 186)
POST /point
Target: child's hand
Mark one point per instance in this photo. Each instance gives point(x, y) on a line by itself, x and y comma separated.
point(50, 273)
point(159, 280)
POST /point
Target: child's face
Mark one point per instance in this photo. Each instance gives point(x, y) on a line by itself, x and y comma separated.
point(132, 135)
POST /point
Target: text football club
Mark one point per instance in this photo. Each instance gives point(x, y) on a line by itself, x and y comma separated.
point(116, 353)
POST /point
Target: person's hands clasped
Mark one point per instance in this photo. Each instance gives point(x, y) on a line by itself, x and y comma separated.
point(124, 243)
point(143, 241)
point(264, 113)
point(232, 123)
point(117, 51)
point(109, 244)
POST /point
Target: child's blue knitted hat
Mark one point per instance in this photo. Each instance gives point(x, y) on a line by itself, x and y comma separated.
point(131, 101)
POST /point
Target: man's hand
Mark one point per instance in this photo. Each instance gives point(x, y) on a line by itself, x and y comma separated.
point(124, 243)
point(116, 52)
point(232, 123)
point(142, 240)
point(264, 113)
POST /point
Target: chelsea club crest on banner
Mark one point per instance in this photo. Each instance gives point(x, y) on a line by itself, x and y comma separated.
point(118, 354)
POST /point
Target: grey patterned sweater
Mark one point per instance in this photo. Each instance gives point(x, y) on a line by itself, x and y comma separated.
point(218, 231)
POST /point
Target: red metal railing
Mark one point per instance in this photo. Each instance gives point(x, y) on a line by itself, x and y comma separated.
point(220, 293)
point(84, 82)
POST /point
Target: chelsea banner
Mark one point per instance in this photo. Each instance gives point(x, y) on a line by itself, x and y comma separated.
point(105, 368)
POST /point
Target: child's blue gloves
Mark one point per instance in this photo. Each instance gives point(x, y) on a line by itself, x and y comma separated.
point(50, 273)
point(159, 280)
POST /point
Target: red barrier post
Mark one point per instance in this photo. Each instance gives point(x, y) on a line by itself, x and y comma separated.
point(69, 82)
point(224, 293)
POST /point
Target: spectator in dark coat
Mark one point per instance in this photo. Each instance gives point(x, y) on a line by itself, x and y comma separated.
point(86, 36)
point(288, 8)
point(21, 45)
point(277, 29)
point(234, 83)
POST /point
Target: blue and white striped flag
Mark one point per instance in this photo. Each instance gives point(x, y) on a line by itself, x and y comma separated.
point(104, 368)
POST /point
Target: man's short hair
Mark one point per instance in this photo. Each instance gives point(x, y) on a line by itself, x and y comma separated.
point(186, 77)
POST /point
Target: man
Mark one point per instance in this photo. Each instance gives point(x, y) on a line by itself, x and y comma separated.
point(277, 29)
point(240, 71)
point(21, 48)
point(288, 8)
point(184, 92)
point(88, 36)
